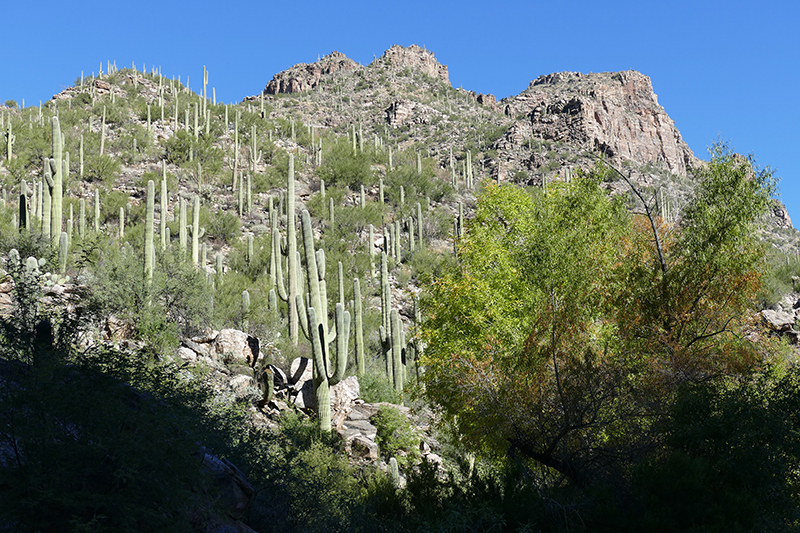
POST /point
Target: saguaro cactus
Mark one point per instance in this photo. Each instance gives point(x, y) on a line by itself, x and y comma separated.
point(359, 333)
point(23, 205)
point(396, 340)
point(63, 250)
point(47, 188)
point(315, 326)
point(290, 251)
point(97, 209)
point(58, 183)
point(164, 201)
point(182, 235)
point(149, 231)
point(10, 139)
point(82, 219)
point(196, 231)
point(385, 328)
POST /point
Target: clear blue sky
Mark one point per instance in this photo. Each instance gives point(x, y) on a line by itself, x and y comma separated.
point(727, 69)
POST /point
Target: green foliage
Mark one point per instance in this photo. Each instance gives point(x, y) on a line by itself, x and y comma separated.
point(184, 150)
point(304, 483)
point(417, 185)
point(586, 327)
point(222, 226)
point(375, 386)
point(110, 204)
point(101, 168)
point(29, 244)
point(732, 460)
point(344, 168)
point(428, 265)
point(174, 303)
point(779, 277)
point(396, 434)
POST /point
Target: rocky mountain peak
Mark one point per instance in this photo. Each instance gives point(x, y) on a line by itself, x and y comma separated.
point(616, 113)
point(417, 59)
point(305, 77)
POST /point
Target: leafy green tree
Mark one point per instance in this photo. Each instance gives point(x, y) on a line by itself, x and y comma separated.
point(570, 324)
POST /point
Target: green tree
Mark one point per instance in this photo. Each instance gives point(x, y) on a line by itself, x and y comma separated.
point(569, 324)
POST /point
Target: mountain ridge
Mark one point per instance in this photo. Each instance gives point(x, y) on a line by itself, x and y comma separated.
point(554, 127)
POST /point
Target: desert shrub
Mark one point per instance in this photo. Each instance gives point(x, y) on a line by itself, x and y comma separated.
point(103, 168)
point(344, 168)
point(396, 436)
point(175, 303)
point(375, 386)
point(428, 265)
point(184, 150)
point(221, 225)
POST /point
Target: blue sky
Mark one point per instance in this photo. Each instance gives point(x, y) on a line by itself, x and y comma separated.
point(721, 69)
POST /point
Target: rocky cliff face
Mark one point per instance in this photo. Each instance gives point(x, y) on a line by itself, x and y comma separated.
point(613, 113)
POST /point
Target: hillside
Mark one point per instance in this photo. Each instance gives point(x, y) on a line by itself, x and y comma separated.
point(146, 221)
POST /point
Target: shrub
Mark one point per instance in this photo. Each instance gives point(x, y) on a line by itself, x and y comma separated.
point(344, 168)
point(222, 225)
point(396, 436)
point(101, 168)
point(176, 302)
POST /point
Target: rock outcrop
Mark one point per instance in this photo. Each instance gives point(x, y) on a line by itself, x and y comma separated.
point(416, 59)
point(405, 112)
point(612, 113)
point(779, 216)
point(782, 318)
point(306, 77)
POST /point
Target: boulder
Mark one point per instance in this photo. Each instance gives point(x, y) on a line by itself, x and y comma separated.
point(198, 348)
point(778, 320)
point(362, 447)
point(279, 378)
point(187, 355)
point(243, 386)
point(234, 490)
point(235, 346)
point(305, 398)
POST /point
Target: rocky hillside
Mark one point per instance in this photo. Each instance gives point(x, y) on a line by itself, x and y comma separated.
point(184, 233)
point(561, 123)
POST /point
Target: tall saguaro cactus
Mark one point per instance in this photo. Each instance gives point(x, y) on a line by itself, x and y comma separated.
point(359, 332)
point(397, 350)
point(182, 233)
point(23, 205)
point(57, 167)
point(164, 201)
point(10, 139)
point(196, 231)
point(315, 326)
point(385, 328)
point(149, 231)
point(290, 251)
point(47, 189)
